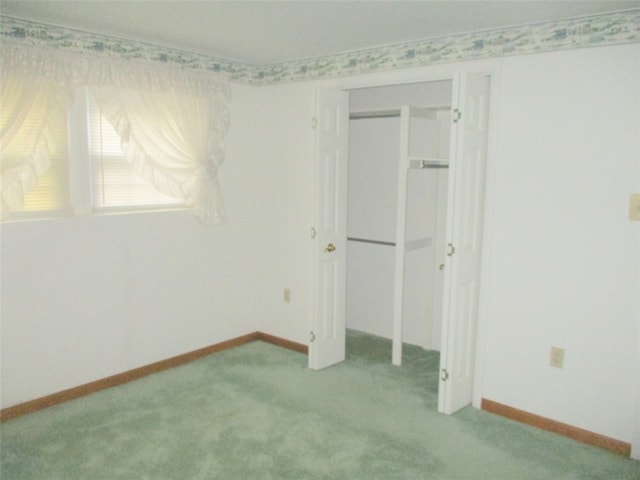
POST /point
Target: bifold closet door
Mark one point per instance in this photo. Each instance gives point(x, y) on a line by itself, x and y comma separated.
point(329, 233)
point(464, 242)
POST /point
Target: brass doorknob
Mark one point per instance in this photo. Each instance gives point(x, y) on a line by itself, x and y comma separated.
point(330, 248)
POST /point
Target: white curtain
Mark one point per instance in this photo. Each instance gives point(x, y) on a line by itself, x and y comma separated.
point(34, 94)
point(172, 124)
point(172, 120)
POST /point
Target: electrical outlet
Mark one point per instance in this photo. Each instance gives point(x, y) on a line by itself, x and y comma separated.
point(634, 207)
point(287, 295)
point(557, 357)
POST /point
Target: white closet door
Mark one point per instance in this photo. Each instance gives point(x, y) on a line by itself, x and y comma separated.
point(464, 235)
point(327, 343)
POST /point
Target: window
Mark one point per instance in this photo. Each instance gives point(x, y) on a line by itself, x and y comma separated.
point(35, 167)
point(51, 194)
point(108, 133)
point(113, 180)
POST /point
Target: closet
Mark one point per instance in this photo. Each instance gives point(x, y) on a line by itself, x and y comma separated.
point(399, 142)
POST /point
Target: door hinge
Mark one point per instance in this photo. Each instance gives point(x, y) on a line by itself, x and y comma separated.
point(457, 115)
point(314, 122)
point(312, 337)
point(450, 249)
point(445, 375)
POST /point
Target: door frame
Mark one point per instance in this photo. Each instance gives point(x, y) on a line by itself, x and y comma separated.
point(434, 74)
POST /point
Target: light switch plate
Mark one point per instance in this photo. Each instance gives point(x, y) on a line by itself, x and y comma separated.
point(634, 207)
point(556, 359)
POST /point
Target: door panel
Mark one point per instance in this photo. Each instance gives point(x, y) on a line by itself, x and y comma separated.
point(464, 234)
point(327, 345)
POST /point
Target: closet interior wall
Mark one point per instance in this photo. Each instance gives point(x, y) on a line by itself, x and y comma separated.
point(374, 154)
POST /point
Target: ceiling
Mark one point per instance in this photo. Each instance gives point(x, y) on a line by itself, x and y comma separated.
point(267, 32)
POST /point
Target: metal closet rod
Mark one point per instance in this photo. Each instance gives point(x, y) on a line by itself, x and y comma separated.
point(427, 166)
point(422, 163)
point(375, 114)
point(391, 112)
point(376, 242)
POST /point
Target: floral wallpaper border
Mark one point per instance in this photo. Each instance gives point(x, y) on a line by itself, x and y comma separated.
point(608, 29)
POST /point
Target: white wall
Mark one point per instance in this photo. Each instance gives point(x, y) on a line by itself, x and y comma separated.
point(281, 140)
point(432, 94)
point(88, 297)
point(563, 261)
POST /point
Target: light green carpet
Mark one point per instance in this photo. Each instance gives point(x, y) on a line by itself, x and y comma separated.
point(257, 412)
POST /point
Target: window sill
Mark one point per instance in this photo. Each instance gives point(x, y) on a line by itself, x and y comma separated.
point(20, 217)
